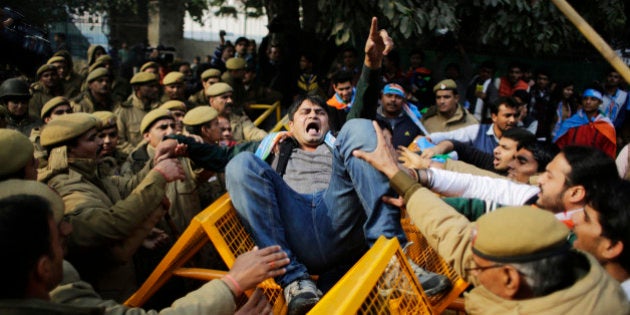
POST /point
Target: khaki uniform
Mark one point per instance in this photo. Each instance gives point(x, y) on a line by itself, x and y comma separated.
point(129, 115)
point(109, 218)
point(111, 165)
point(199, 99)
point(450, 234)
point(85, 103)
point(182, 194)
point(243, 129)
point(24, 125)
point(40, 154)
point(72, 85)
point(213, 297)
point(435, 122)
point(120, 89)
point(185, 205)
point(238, 94)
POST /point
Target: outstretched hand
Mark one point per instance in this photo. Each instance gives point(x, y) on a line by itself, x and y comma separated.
point(411, 159)
point(382, 157)
point(378, 44)
point(257, 304)
point(255, 266)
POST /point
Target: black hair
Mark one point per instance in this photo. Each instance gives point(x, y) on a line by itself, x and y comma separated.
point(24, 239)
point(241, 39)
point(523, 95)
point(515, 64)
point(543, 152)
point(507, 101)
point(342, 77)
point(315, 99)
point(611, 204)
point(543, 71)
point(349, 49)
point(520, 135)
point(590, 167)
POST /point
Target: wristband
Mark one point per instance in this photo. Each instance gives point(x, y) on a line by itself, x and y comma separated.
point(239, 291)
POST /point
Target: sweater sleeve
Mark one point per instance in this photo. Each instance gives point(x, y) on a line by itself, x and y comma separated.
point(366, 100)
point(446, 231)
point(213, 297)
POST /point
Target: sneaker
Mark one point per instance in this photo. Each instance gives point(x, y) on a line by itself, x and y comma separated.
point(301, 296)
point(432, 283)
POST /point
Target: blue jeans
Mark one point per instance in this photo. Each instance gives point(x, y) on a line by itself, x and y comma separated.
point(323, 230)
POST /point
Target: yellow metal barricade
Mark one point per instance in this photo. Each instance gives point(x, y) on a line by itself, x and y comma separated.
point(426, 257)
point(268, 110)
point(378, 286)
point(220, 224)
point(381, 282)
point(282, 123)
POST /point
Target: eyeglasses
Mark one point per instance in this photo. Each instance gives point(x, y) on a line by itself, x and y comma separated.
point(481, 269)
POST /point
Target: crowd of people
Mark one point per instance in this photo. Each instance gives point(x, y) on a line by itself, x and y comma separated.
point(512, 179)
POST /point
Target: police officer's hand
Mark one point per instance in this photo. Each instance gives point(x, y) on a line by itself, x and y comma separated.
point(411, 159)
point(378, 44)
point(171, 169)
point(256, 304)
point(253, 267)
point(382, 157)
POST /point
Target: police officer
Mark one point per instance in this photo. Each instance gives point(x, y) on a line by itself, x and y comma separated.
point(48, 86)
point(208, 78)
point(143, 99)
point(108, 228)
point(14, 96)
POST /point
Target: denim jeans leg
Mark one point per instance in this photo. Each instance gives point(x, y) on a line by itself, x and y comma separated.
point(356, 187)
point(277, 215)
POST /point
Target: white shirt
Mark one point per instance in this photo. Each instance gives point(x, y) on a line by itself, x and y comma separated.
point(625, 286)
point(502, 191)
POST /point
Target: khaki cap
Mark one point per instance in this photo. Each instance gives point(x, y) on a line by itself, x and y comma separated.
point(218, 89)
point(107, 119)
point(45, 68)
point(200, 115)
point(14, 187)
point(17, 151)
point(97, 73)
point(100, 62)
point(174, 105)
point(54, 102)
point(447, 84)
point(210, 73)
point(152, 116)
point(235, 63)
point(56, 59)
point(67, 127)
point(173, 77)
point(141, 78)
point(519, 234)
point(150, 64)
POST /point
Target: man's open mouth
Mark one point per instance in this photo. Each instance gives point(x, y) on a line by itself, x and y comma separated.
point(312, 128)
